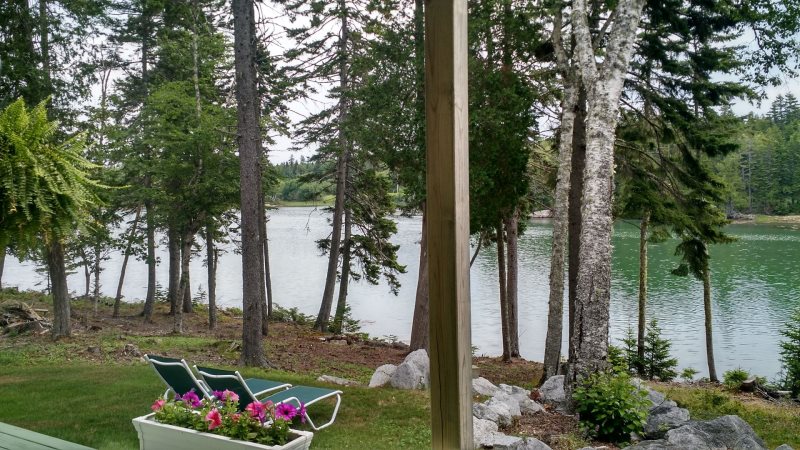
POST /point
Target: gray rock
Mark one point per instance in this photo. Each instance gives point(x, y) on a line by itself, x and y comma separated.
point(726, 432)
point(552, 392)
point(508, 401)
point(722, 433)
point(408, 376)
point(656, 398)
point(515, 391)
point(534, 444)
point(420, 359)
point(482, 430)
point(482, 386)
point(784, 447)
point(528, 406)
point(500, 441)
point(497, 412)
point(337, 380)
point(663, 418)
point(382, 375)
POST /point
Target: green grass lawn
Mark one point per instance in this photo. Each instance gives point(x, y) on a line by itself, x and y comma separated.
point(93, 405)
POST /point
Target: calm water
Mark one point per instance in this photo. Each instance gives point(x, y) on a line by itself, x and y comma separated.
point(756, 284)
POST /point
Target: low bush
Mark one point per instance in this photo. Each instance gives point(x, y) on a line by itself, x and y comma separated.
point(610, 407)
point(733, 379)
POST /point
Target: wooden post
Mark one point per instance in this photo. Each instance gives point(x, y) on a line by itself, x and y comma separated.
point(448, 222)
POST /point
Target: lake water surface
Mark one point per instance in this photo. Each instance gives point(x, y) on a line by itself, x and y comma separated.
point(756, 286)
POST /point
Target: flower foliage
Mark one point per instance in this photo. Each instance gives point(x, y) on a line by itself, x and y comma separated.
point(263, 423)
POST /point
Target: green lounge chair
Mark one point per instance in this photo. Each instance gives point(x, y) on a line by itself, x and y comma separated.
point(178, 377)
point(250, 388)
point(220, 380)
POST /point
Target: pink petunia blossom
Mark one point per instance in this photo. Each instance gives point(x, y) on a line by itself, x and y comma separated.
point(230, 396)
point(257, 410)
point(235, 417)
point(158, 405)
point(285, 411)
point(214, 419)
point(191, 399)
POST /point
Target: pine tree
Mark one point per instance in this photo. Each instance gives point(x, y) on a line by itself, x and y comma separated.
point(790, 354)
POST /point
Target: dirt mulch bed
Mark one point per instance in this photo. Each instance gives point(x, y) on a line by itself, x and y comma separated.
point(556, 430)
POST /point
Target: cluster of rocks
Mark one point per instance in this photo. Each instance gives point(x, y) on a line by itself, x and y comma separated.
point(668, 426)
point(412, 373)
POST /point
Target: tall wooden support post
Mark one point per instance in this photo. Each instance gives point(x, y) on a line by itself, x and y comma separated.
point(448, 222)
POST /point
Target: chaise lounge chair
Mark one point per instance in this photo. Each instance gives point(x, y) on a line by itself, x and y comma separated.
point(219, 380)
point(177, 375)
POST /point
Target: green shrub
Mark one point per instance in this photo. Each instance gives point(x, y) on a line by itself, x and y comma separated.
point(291, 315)
point(610, 407)
point(790, 355)
point(617, 359)
point(733, 379)
point(688, 374)
point(657, 362)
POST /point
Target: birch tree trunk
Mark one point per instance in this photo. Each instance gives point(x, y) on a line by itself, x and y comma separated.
point(642, 324)
point(512, 262)
point(555, 313)
point(712, 369)
point(575, 215)
point(127, 254)
point(249, 140)
point(604, 86)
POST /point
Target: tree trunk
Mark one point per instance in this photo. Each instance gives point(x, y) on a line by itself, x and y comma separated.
point(174, 246)
point(502, 278)
point(262, 231)
point(96, 271)
point(87, 276)
point(419, 327)
point(575, 202)
point(642, 324)
point(2, 263)
point(267, 273)
point(127, 254)
point(188, 308)
point(341, 304)
point(184, 286)
point(712, 370)
point(341, 182)
point(512, 249)
point(211, 264)
point(150, 299)
point(62, 324)
point(249, 140)
point(590, 337)
point(555, 314)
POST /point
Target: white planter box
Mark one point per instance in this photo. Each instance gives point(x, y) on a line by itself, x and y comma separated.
point(158, 436)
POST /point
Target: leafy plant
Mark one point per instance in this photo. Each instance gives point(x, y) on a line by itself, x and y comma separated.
point(657, 363)
point(617, 359)
point(733, 379)
point(610, 407)
point(790, 354)
point(688, 373)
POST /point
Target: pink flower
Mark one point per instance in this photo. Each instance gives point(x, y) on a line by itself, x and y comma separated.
point(302, 413)
point(214, 419)
point(235, 417)
point(191, 399)
point(230, 396)
point(257, 410)
point(158, 405)
point(285, 411)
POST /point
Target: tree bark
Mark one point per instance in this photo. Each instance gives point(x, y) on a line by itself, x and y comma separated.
point(420, 327)
point(174, 246)
point(642, 324)
point(188, 308)
point(96, 272)
point(341, 180)
point(262, 231)
point(512, 263)
point(267, 272)
point(211, 265)
point(87, 276)
point(341, 304)
point(503, 278)
point(150, 299)
point(127, 254)
point(561, 206)
point(712, 369)
point(575, 201)
point(249, 140)
point(2, 263)
point(184, 286)
point(62, 324)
